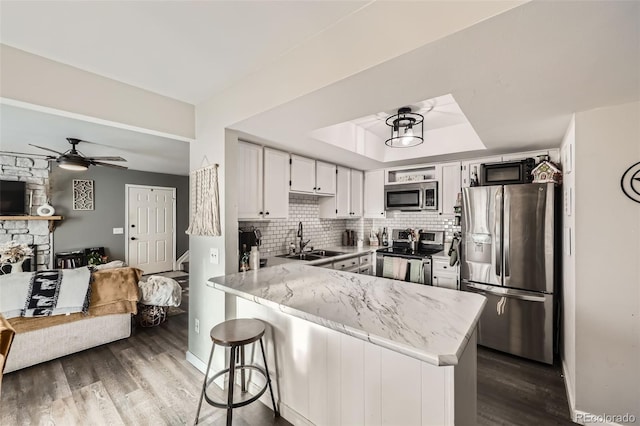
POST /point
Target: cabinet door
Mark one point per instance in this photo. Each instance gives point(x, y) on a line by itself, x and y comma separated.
point(374, 194)
point(249, 181)
point(325, 178)
point(471, 169)
point(343, 192)
point(445, 281)
point(276, 184)
point(357, 191)
point(303, 174)
point(449, 187)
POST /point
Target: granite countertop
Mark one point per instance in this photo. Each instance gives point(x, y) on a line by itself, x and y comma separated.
point(427, 323)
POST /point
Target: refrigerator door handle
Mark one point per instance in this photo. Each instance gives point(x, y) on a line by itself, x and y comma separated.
point(497, 231)
point(507, 233)
point(507, 293)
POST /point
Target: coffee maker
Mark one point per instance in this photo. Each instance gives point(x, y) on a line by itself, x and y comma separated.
point(248, 237)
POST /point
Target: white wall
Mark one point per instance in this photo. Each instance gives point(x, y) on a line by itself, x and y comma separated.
point(607, 263)
point(568, 329)
point(36, 80)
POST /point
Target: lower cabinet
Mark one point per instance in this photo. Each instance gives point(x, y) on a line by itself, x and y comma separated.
point(444, 275)
point(358, 264)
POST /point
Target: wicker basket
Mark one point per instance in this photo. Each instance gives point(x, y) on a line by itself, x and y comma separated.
point(151, 315)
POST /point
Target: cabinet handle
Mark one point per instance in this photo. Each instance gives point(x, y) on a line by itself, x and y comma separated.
point(267, 213)
point(444, 267)
point(314, 188)
point(319, 188)
point(353, 263)
point(260, 213)
point(381, 212)
point(133, 238)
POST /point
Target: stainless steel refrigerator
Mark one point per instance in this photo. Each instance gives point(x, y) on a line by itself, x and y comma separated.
point(508, 254)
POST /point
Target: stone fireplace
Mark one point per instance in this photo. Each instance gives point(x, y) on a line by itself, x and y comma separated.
point(35, 172)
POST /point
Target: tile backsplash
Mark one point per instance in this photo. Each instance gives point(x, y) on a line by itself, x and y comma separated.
point(403, 220)
point(277, 234)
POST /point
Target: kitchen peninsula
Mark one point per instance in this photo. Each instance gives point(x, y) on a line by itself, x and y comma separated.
point(359, 349)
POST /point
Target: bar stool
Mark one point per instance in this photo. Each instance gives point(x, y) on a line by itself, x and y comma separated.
point(235, 334)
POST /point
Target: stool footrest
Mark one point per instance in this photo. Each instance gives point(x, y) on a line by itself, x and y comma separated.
point(241, 403)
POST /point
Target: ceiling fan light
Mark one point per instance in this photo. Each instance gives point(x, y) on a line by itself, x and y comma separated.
point(77, 165)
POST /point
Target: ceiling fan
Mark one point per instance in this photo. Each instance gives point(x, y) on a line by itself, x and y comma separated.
point(75, 160)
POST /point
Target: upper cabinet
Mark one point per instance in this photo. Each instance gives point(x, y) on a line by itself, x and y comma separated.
point(325, 178)
point(450, 187)
point(262, 182)
point(357, 192)
point(374, 194)
point(249, 181)
point(303, 174)
point(309, 176)
point(348, 202)
point(276, 180)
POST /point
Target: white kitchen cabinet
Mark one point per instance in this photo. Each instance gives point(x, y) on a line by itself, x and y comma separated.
point(303, 174)
point(471, 169)
point(450, 187)
point(276, 184)
point(348, 201)
point(374, 194)
point(325, 178)
point(357, 192)
point(249, 181)
point(444, 275)
point(343, 192)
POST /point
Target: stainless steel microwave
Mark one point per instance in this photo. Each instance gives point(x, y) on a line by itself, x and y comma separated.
point(507, 173)
point(411, 197)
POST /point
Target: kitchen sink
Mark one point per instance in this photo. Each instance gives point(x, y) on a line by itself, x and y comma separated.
point(312, 255)
point(327, 253)
point(302, 256)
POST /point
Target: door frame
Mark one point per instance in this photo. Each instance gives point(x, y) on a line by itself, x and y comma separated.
point(127, 186)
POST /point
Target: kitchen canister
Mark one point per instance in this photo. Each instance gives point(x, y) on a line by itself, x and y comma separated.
point(254, 258)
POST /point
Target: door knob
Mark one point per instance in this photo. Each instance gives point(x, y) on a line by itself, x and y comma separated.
point(133, 238)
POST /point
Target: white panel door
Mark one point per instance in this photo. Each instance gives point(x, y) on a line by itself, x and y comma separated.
point(249, 181)
point(303, 174)
point(325, 178)
point(450, 187)
point(343, 193)
point(276, 184)
point(374, 194)
point(151, 244)
point(357, 192)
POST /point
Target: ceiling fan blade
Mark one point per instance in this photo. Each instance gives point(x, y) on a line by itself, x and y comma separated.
point(46, 149)
point(106, 158)
point(99, 163)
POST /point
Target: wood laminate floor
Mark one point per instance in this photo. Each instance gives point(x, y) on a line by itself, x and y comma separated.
point(145, 380)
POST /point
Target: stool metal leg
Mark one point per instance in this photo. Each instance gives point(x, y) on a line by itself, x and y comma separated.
point(242, 378)
point(266, 368)
point(232, 364)
point(204, 384)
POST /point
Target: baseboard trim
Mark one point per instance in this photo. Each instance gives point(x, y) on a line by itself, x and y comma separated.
point(195, 361)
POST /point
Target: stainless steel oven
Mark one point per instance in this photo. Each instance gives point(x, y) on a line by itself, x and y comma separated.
point(411, 197)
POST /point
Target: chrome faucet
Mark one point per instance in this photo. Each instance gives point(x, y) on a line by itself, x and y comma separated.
point(301, 243)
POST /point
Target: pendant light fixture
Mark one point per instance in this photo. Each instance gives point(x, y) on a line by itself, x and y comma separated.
point(407, 129)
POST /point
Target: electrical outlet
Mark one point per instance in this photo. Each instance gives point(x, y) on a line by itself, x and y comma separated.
point(213, 256)
point(197, 326)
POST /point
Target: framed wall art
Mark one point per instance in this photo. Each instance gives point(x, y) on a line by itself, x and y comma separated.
point(82, 194)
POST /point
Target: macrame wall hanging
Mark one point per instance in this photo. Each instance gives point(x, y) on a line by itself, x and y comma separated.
point(205, 203)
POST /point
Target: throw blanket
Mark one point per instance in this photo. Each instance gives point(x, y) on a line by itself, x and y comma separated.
point(160, 291)
point(58, 291)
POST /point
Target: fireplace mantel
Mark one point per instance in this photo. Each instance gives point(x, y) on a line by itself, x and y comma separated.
point(52, 219)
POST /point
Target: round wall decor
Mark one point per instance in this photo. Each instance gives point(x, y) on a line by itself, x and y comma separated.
point(46, 210)
point(630, 182)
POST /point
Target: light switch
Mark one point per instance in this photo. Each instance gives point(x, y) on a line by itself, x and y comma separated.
point(213, 256)
point(118, 231)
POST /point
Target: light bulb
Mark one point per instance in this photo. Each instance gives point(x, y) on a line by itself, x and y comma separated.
point(408, 136)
